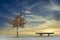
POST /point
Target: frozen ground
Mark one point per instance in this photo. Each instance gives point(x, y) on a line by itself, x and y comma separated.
point(4, 37)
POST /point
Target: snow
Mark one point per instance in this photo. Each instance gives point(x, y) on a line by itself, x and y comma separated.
point(4, 37)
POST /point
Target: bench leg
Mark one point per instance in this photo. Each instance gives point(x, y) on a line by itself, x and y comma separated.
point(48, 35)
point(40, 34)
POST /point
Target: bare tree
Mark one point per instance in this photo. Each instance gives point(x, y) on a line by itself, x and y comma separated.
point(18, 21)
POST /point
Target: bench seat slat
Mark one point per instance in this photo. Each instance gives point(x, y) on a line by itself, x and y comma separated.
point(44, 33)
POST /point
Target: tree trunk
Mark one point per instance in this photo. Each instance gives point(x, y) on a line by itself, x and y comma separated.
point(17, 32)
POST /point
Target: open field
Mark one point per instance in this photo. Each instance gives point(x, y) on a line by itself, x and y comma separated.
point(5, 37)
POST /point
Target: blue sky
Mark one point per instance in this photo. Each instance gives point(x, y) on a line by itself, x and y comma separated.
point(37, 12)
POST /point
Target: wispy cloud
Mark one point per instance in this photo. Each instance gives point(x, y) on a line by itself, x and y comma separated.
point(53, 6)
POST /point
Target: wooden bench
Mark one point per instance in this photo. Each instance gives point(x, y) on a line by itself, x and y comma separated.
point(41, 34)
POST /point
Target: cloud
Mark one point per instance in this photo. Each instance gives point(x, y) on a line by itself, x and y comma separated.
point(35, 18)
point(45, 28)
point(53, 6)
point(27, 11)
point(39, 21)
point(51, 24)
point(32, 6)
point(57, 15)
point(15, 13)
point(7, 17)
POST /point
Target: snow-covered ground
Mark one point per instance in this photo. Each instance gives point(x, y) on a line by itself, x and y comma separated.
point(4, 37)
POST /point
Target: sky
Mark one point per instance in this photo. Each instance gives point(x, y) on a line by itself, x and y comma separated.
point(41, 16)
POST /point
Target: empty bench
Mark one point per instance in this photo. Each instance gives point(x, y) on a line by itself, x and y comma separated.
point(41, 34)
